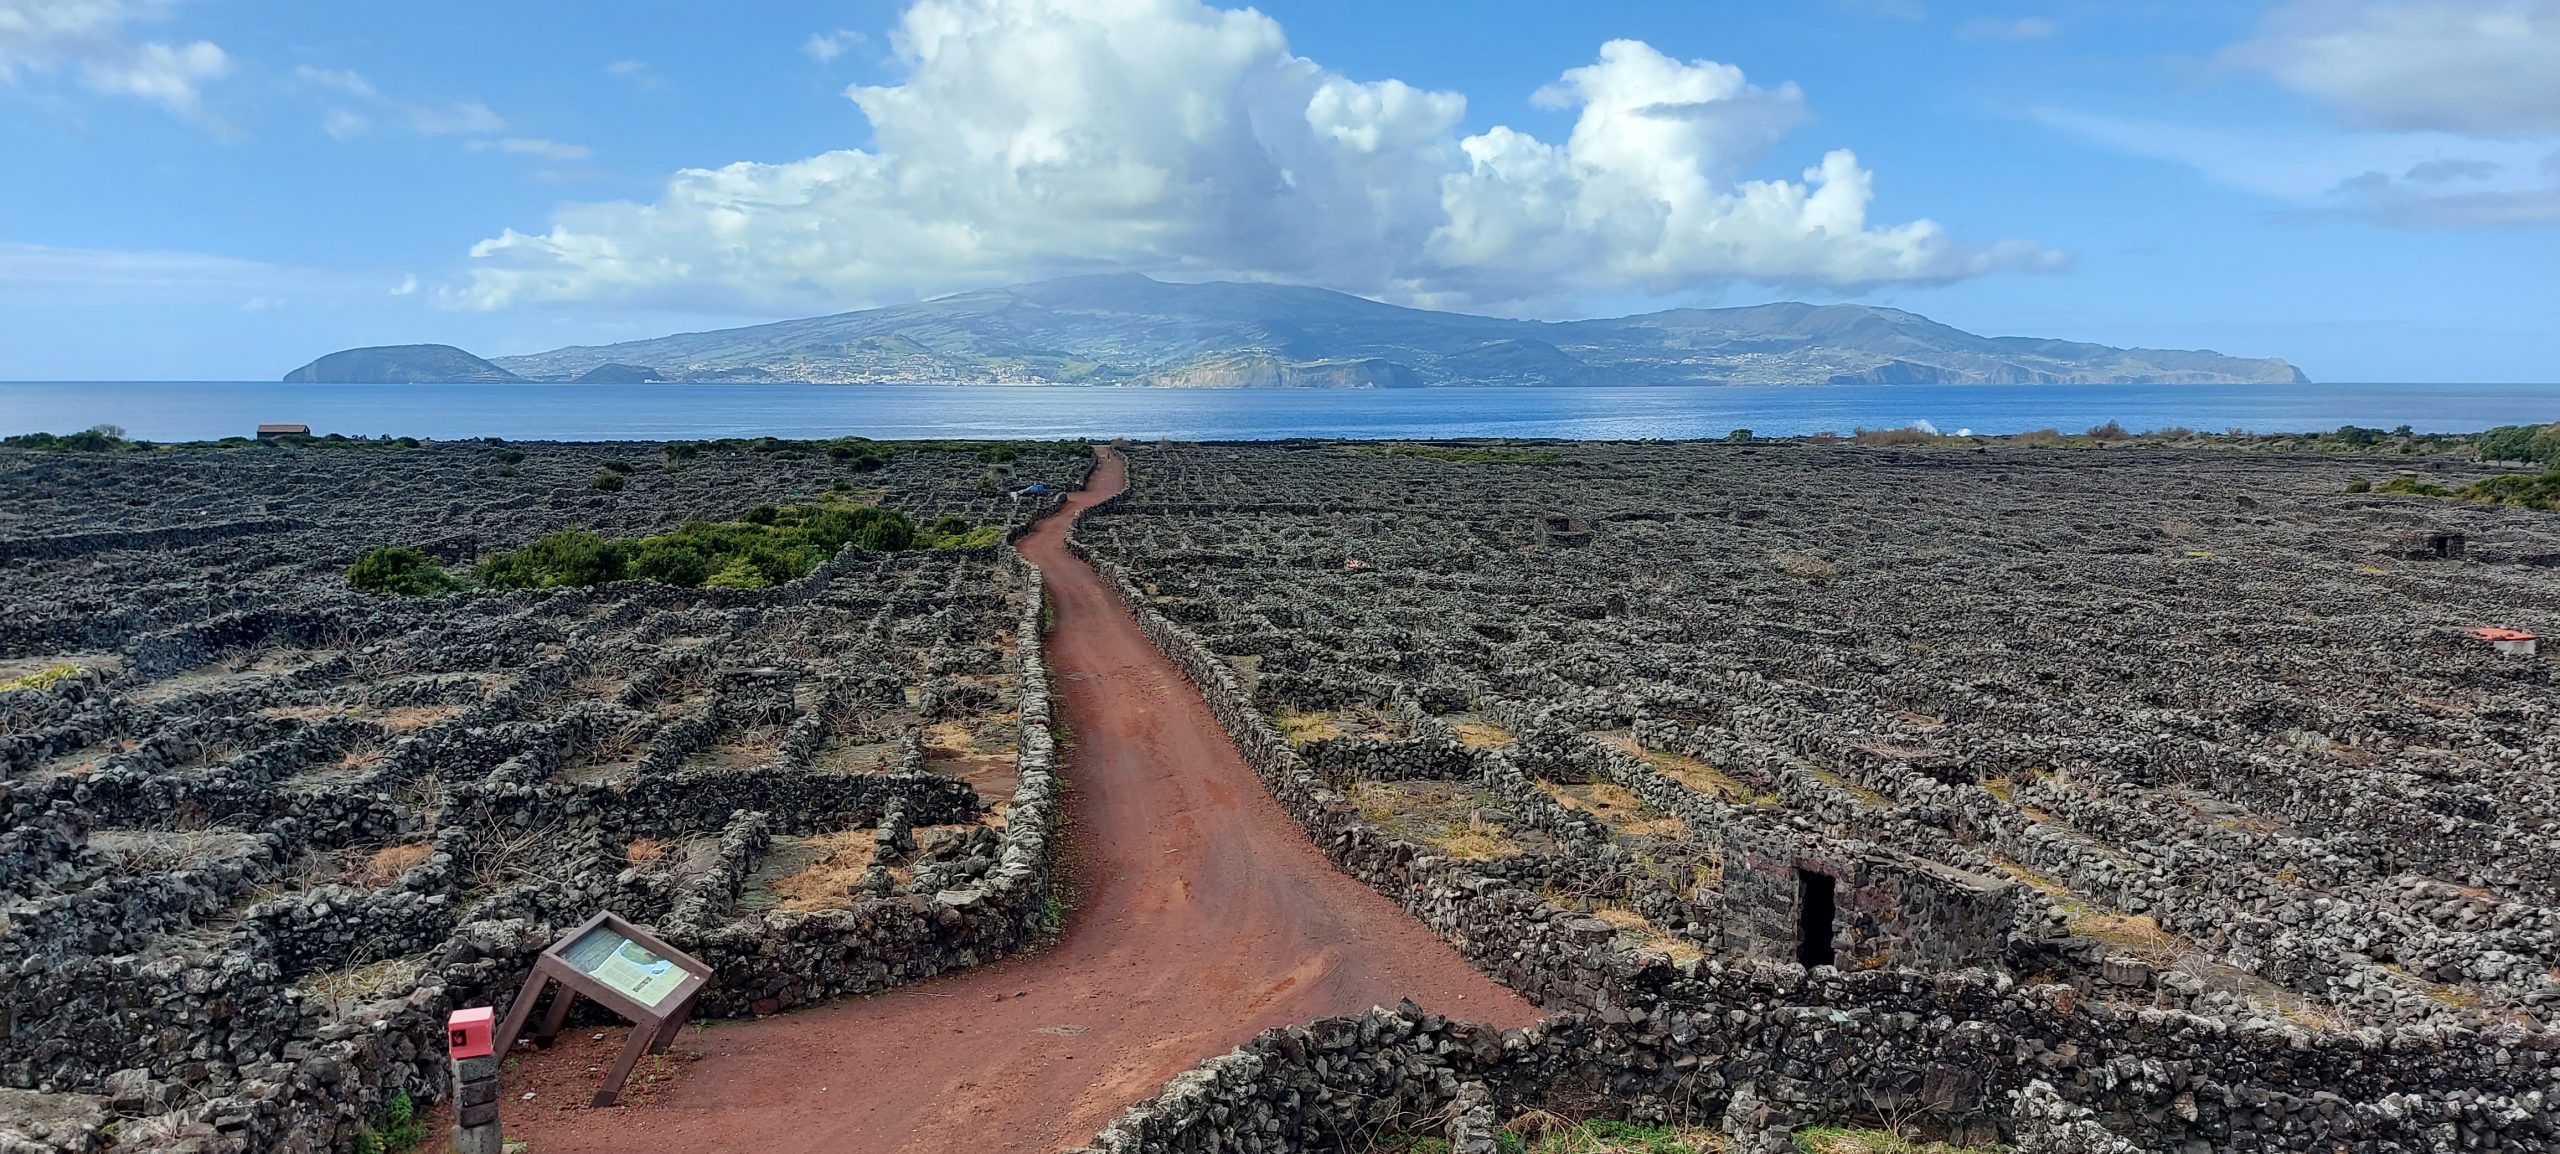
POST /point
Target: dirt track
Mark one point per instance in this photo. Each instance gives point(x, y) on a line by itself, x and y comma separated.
point(1203, 916)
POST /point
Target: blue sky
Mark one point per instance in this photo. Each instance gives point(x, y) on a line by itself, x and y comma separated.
point(224, 189)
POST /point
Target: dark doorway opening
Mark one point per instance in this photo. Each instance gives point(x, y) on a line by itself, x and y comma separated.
point(1817, 900)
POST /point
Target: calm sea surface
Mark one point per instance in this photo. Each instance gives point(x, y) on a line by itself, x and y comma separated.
point(177, 411)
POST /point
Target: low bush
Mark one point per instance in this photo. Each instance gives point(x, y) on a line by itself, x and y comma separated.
point(765, 547)
point(2526, 490)
point(396, 1129)
point(950, 532)
point(607, 482)
point(2536, 443)
point(395, 571)
point(94, 439)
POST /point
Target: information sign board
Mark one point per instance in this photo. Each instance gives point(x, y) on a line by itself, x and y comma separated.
point(625, 968)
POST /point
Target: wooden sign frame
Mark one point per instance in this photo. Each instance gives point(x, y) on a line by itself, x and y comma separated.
point(654, 1023)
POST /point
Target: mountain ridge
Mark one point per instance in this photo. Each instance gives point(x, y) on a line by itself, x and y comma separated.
point(1129, 329)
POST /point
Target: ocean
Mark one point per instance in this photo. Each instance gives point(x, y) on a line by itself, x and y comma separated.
point(181, 411)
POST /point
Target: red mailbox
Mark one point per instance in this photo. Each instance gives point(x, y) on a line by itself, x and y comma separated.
point(469, 1031)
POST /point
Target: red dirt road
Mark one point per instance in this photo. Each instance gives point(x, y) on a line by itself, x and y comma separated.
point(1204, 917)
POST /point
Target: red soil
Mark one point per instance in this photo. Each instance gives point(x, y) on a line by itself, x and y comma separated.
point(1202, 917)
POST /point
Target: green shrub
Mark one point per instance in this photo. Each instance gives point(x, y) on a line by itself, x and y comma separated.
point(94, 439)
point(510, 456)
point(2528, 490)
point(2359, 485)
point(2536, 443)
point(766, 547)
point(570, 557)
point(670, 562)
point(394, 571)
point(683, 451)
point(2416, 487)
point(607, 482)
point(955, 532)
point(396, 1129)
point(617, 466)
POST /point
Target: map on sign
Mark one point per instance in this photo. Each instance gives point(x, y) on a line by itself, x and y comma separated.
point(624, 966)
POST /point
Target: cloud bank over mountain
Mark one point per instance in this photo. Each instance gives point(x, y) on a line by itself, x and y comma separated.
point(1041, 137)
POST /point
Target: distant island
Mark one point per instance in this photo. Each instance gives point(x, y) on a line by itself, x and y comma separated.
point(399, 365)
point(1128, 329)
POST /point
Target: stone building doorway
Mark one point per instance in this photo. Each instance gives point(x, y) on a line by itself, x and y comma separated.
point(1817, 902)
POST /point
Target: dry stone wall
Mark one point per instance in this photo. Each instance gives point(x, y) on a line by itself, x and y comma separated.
point(273, 830)
point(2255, 1008)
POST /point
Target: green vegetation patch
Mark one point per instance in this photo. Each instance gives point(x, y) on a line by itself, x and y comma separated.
point(94, 439)
point(45, 678)
point(396, 571)
point(2539, 444)
point(955, 532)
point(764, 547)
point(2528, 490)
point(397, 1128)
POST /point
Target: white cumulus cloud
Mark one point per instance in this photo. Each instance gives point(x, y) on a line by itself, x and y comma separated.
point(1037, 137)
point(91, 37)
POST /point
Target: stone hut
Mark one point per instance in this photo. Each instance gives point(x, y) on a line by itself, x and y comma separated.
point(1815, 901)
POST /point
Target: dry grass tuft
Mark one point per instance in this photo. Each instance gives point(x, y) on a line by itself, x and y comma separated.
point(1301, 727)
point(1482, 734)
point(643, 850)
point(1480, 840)
point(1696, 775)
point(825, 884)
point(1853, 1140)
point(384, 866)
point(1616, 805)
point(1648, 935)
